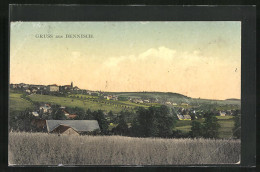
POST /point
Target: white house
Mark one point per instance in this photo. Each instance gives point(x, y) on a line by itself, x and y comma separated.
point(45, 108)
point(35, 114)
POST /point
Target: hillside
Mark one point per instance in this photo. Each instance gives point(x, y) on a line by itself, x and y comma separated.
point(175, 97)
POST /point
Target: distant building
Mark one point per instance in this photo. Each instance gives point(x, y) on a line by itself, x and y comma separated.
point(184, 104)
point(174, 104)
point(46, 108)
point(35, 114)
point(137, 101)
point(53, 88)
point(111, 97)
point(72, 116)
point(168, 103)
point(76, 88)
point(72, 127)
point(222, 113)
point(187, 117)
point(65, 113)
point(183, 117)
point(28, 91)
point(13, 85)
point(180, 117)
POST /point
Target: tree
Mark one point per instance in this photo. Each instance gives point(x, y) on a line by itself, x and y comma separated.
point(88, 115)
point(58, 115)
point(122, 127)
point(210, 126)
point(196, 129)
point(103, 123)
point(153, 122)
point(237, 126)
point(165, 121)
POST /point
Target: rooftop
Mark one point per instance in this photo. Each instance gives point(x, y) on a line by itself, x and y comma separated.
point(77, 125)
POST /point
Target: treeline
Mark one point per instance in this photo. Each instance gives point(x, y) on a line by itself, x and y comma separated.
point(151, 122)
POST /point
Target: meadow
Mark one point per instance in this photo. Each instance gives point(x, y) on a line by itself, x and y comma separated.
point(16, 103)
point(50, 149)
point(225, 131)
point(81, 103)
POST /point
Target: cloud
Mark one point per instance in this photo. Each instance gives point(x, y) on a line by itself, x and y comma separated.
point(165, 69)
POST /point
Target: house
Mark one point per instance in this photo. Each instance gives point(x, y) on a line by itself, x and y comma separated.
point(65, 113)
point(146, 101)
point(180, 117)
point(112, 97)
point(184, 104)
point(72, 127)
point(174, 104)
point(187, 117)
point(72, 116)
point(28, 91)
point(183, 117)
point(46, 108)
point(53, 88)
point(35, 114)
point(76, 88)
point(168, 103)
point(25, 86)
point(137, 101)
point(13, 85)
point(222, 113)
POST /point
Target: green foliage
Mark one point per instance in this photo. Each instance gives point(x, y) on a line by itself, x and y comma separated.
point(153, 122)
point(17, 103)
point(122, 98)
point(211, 126)
point(20, 121)
point(237, 127)
point(196, 129)
point(122, 127)
point(58, 114)
point(103, 123)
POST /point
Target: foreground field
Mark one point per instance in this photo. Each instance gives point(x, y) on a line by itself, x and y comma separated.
point(50, 149)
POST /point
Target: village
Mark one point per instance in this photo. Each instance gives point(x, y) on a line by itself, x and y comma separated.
point(52, 118)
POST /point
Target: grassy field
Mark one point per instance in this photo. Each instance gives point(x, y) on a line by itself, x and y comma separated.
point(74, 102)
point(16, 103)
point(91, 102)
point(116, 102)
point(50, 149)
point(225, 131)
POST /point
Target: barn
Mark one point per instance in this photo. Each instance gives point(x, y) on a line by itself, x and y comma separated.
point(72, 127)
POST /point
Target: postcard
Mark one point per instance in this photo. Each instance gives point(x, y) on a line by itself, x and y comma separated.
point(125, 93)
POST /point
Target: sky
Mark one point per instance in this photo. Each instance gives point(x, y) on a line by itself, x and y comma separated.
point(197, 59)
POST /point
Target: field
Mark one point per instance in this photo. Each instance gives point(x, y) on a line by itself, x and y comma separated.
point(90, 103)
point(225, 131)
point(50, 149)
point(16, 103)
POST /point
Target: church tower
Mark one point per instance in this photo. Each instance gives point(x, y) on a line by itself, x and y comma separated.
point(71, 85)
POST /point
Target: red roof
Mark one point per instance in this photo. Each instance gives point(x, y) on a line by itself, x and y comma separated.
point(72, 116)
